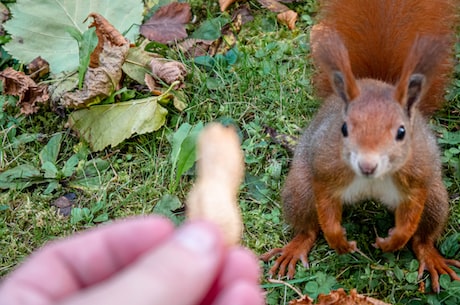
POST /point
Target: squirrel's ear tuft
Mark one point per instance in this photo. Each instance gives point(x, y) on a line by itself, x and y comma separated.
point(330, 56)
point(411, 94)
point(414, 90)
point(338, 83)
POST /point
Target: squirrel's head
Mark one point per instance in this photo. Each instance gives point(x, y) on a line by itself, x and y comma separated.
point(378, 117)
point(377, 127)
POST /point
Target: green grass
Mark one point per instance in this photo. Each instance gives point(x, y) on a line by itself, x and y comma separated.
point(269, 86)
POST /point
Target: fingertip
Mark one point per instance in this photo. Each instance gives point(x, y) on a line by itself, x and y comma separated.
point(241, 263)
point(241, 293)
point(201, 237)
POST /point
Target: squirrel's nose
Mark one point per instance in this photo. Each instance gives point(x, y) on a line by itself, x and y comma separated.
point(367, 168)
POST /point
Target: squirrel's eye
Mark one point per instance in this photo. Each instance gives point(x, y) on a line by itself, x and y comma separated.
point(345, 130)
point(400, 133)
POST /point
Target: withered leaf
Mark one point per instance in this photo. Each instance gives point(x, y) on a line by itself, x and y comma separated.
point(304, 300)
point(169, 71)
point(193, 47)
point(168, 23)
point(64, 204)
point(288, 18)
point(153, 86)
point(105, 32)
point(104, 73)
point(339, 297)
point(273, 6)
point(38, 68)
point(224, 4)
point(30, 94)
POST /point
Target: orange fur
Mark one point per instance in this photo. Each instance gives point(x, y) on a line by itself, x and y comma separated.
point(383, 65)
point(379, 38)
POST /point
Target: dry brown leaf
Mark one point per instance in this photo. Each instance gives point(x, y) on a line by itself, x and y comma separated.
point(168, 23)
point(340, 297)
point(154, 88)
point(304, 300)
point(169, 71)
point(38, 68)
point(288, 18)
point(229, 32)
point(64, 204)
point(224, 4)
point(105, 33)
point(273, 6)
point(194, 47)
point(30, 94)
point(198, 47)
point(104, 73)
point(220, 171)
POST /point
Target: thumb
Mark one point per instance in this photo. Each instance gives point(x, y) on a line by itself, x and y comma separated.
point(180, 272)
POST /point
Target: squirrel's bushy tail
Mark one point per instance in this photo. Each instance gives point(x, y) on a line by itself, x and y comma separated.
point(379, 35)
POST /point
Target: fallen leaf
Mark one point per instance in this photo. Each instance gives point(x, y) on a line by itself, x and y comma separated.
point(228, 37)
point(211, 29)
point(194, 47)
point(30, 94)
point(339, 297)
point(153, 86)
point(224, 4)
point(104, 125)
point(288, 18)
point(168, 23)
point(38, 68)
point(137, 63)
point(105, 32)
point(104, 73)
point(64, 204)
point(304, 300)
point(244, 13)
point(63, 83)
point(273, 6)
point(220, 171)
point(218, 35)
point(169, 71)
point(40, 28)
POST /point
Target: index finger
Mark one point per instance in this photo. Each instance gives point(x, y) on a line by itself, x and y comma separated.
point(66, 266)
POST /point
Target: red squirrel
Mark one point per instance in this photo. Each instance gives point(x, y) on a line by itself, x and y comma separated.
point(383, 66)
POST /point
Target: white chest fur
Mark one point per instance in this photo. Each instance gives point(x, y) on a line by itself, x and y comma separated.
point(382, 189)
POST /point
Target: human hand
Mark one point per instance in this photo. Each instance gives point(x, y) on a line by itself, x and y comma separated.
point(137, 261)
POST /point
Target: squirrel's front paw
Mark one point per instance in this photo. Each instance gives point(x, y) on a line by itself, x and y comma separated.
point(389, 244)
point(337, 241)
point(344, 246)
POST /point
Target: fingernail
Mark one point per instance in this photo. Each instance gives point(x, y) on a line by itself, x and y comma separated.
point(197, 238)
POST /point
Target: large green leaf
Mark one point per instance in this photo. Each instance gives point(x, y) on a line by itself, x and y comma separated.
point(41, 27)
point(105, 125)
